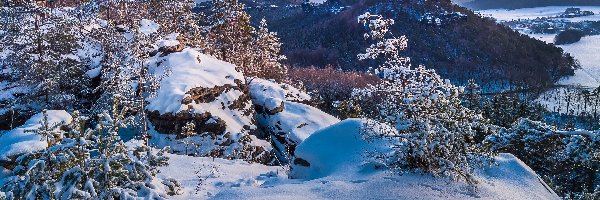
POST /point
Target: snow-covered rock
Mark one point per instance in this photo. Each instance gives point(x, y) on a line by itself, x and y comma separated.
point(282, 118)
point(211, 94)
point(23, 139)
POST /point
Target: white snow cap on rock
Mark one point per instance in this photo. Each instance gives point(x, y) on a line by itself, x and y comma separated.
point(270, 94)
point(23, 140)
point(297, 120)
point(191, 69)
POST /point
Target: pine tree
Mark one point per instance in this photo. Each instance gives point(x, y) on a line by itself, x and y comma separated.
point(436, 132)
point(472, 96)
point(43, 44)
point(89, 164)
point(230, 36)
point(268, 55)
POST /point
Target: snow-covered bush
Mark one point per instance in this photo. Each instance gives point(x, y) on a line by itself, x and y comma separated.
point(88, 164)
point(567, 160)
point(436, 132)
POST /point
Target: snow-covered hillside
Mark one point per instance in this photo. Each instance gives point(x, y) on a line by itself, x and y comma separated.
point(586, 78)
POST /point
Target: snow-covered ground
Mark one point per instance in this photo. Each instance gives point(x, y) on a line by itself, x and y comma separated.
point(24, 139)
point(539, 12)
point(339, 170)
point(587, 51)
point(586, 78)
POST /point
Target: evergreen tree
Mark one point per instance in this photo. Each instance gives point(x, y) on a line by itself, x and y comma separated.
point(268, 55)
point(230, 36)
point(472, 96)
point(567, 160)
point(42, 49)
point(89, 164)
point(436, 133)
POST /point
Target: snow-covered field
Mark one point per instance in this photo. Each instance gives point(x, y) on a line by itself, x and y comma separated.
point(585, 51)
point(586, 78)
point(533, 13)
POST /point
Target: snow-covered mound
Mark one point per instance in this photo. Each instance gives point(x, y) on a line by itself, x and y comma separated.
point(23, 139)
point(339, 148)
point(280, 116)
point(338, 163)
point(511, 179)
point(339, 167)
point(211, 95)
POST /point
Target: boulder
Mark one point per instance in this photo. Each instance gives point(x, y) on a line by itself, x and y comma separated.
point(210, 94)
point(282, 118)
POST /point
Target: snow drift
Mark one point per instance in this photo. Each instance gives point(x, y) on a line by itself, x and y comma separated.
point(23, 139)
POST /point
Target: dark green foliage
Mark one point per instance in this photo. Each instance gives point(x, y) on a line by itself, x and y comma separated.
point(568, 37)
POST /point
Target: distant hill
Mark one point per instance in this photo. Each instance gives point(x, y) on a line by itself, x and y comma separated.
point(462, 47)
point(512, 4)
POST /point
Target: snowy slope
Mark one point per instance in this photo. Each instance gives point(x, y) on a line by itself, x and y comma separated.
point(511, 179)
point(337, 151)
point(587, 52)
point(23, 140)
point(588, 77)
point(207, 178)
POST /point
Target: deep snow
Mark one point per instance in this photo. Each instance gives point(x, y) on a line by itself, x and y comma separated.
point(339, 170)
point(23, 139)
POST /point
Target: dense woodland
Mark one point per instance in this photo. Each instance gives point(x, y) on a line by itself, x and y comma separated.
point(458, 46)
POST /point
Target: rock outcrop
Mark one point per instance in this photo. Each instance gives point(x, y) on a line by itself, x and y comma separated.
point(210, 94)
point(282, 119)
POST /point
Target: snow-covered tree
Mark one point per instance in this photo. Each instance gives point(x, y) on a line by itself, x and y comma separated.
point(40, 46)
point(435, 132)
point(472, 96)
point(89, 164)
point(567, 160)
point(267, 49)
point(230, 36)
